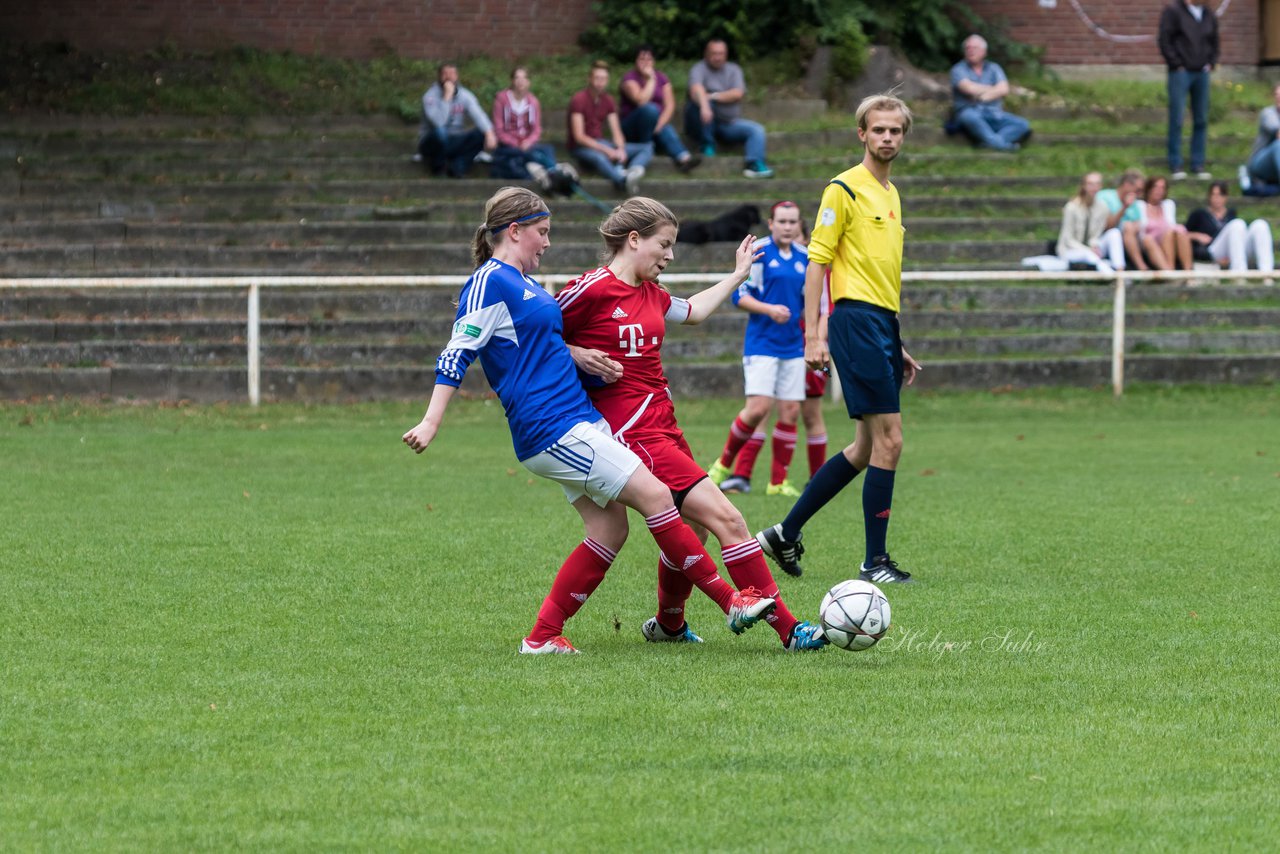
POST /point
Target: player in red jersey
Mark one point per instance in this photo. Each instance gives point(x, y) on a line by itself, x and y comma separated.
point(615, 320)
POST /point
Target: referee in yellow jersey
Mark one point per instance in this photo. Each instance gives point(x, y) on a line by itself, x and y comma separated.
point(858, 237)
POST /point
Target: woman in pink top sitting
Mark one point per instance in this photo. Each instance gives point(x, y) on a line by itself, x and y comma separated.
point(517, 122)
point(1163, 240)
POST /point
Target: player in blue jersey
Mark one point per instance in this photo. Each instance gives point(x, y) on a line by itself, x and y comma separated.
point(515, 327)
point(772, 356)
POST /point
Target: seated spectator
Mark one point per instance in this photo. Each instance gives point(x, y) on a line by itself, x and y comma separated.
point(1264, 160)
point(445, 143)
point(1164, 242)
point(1218, 235)
point(646, 104)
point(978, 88)
point(1122, 214)
point(517, 124)
point(1084, 225)
point(592, 114)
point(714, 112)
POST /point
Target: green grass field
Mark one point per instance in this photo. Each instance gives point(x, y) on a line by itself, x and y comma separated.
point(279, 629)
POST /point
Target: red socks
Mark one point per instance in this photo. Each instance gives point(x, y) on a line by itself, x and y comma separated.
point(746, 565)
point(817, 453)
point(577, 579)
point(747, 458)
point(681, 547)
point(674, 588)
point(739, 434)
point(784, 446)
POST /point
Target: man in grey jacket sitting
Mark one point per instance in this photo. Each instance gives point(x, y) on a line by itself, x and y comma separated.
point(454, 127)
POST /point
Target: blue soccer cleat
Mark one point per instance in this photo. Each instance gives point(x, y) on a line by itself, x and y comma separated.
point(805, 636)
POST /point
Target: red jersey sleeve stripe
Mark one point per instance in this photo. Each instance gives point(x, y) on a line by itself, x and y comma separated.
point(576, 288)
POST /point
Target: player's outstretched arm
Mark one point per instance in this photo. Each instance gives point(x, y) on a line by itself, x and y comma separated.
point(703, 303)
point(422, 435)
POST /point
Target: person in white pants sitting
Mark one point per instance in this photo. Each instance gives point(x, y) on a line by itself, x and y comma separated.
point(1218, 235)
point(1084, 236)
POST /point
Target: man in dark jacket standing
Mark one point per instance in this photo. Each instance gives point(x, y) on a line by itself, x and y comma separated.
point(1189, 44)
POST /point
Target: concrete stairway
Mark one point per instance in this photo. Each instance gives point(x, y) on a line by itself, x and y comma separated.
point(164, 197)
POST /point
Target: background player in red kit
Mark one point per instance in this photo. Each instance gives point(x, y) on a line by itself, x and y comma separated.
point(618, 312)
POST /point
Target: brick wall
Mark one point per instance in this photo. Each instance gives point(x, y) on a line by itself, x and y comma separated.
point(428, 29)
point(1101, 31)
point(425, 29)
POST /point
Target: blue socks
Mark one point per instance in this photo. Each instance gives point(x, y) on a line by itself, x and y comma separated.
point(877, 497)
point(835, 474)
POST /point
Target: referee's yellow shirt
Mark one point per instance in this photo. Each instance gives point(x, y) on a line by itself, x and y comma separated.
point(860, 237)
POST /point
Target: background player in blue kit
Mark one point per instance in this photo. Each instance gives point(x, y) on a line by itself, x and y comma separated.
point(772, 354)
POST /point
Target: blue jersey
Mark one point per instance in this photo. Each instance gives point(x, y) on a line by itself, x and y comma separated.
point(515, 327)
point(779, 280)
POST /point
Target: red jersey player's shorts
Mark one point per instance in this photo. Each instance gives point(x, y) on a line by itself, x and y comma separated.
point(656, 438)
point(815, 384)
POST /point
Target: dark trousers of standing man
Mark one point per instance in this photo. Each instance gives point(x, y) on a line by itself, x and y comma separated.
point(1183, 83)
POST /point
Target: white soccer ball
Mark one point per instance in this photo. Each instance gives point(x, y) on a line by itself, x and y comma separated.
point(854, 614)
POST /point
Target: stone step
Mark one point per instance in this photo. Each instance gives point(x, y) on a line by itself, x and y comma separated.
point(931, 347)
point(220, 165)
point(197, 353)
point(724, 325)
point(385, 233)
point(208, 385)
point(472, 189)
point(253, 204)
point(286, 353)
point(291, 302)
point(222, 329)
point(438, 302)
point(370, 168)
point(120, 259)
point(399, 141)
point(75, 127)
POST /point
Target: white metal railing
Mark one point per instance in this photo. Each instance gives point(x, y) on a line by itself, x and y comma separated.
point(253, 285)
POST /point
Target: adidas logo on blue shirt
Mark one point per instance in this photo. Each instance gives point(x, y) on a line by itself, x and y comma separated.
point(528, 294)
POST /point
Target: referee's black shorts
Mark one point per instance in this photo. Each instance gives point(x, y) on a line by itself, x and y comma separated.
point(866, 348)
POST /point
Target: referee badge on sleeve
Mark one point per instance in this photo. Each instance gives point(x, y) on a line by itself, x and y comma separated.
point(827, 217)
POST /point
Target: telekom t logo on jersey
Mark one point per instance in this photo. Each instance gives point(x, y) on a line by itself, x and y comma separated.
point(631, 336)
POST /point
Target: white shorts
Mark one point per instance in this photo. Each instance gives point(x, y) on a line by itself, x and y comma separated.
point(587, 460)
point(769, 376)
